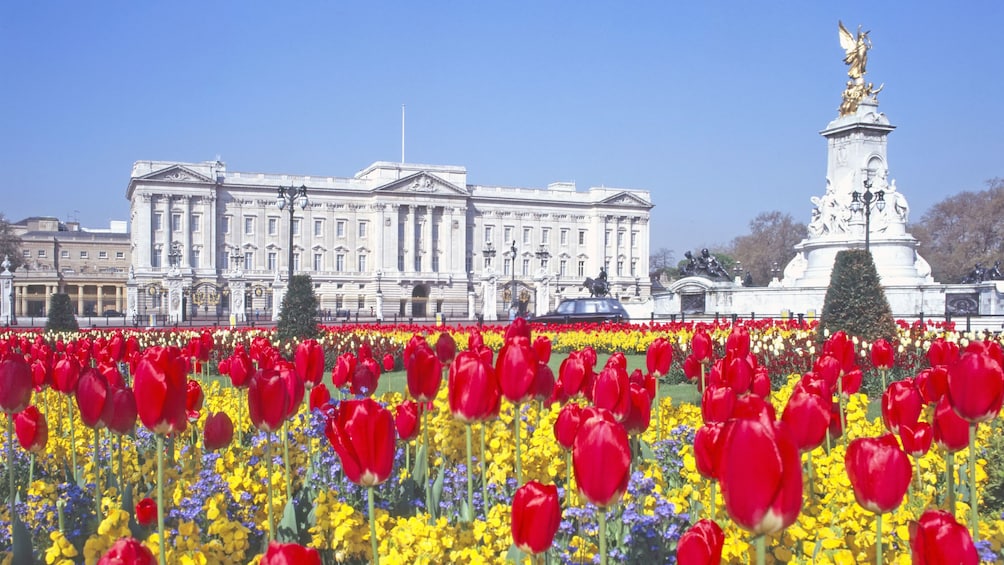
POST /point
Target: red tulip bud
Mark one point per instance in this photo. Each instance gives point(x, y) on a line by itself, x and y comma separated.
point(146, 512)
point(128, 550)
point(536, 515)
point(219, 431)
point(31, 429)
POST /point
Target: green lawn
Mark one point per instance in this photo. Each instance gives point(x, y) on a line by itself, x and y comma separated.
point(396, 381)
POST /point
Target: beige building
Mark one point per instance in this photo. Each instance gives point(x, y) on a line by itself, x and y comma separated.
point(416, 235)
point(91, 265)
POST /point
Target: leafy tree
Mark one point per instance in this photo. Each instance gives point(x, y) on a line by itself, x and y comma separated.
point(771, 241)
point(298, 315)
point(10, 244)
point(963, 230)
point(855, 301)
point(61, 318)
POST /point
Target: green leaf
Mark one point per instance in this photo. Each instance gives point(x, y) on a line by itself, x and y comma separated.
point(815, 550)
point(514, 555)
point(437, 487)
point(421, 470)
point(287, 530)
point(22, 549)
point(646, 451)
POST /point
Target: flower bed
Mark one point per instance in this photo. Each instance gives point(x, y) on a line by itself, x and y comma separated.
point(218, 504)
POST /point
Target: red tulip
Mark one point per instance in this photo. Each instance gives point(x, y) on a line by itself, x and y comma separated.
point(290, 554)
point(295, 387)
point(901, 404)
point(146, 512)
point(267, 400)
point(701, 347)
point(518, 328)
point(365, 377)
point(241, 368)
point(543, 383)
point(850, 382)
point(691, 367)
point(601, 458)
point(472, 389)
point(761, 382)
point(879, 471)
point(159, 387)
point(572, 374)
point(612, 392)
point(883, 356)
point(121, 414)
point(343, 370)
point(951, 432)
point(738, 342)
point(566, 426)
point(406, 420)
point(31, 429)
point(708, 449)
point(128, 551)
point(738, 372)
point(516, 369)
point(388, 362)
point(942, 352)
point(15, 384)
point(425, 373)
point(640, 410)
point(362, 434)
point(194, 399)
point(446, 348)
point(659, 357)
point(808, 417)
point(309, 362)
point(916, 438)
point(769, 500)
point(320, 398)
point(219, 431)
point(701, 544)
point(937, 538)
point(841, 347)
point(536, 515)
point(976, 386)
point(92, 398)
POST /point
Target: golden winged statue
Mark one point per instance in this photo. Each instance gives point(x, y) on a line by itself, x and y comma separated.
point(856, 58)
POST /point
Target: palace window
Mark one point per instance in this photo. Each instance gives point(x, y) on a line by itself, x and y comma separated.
point(248, 260)
point(507, 234)
point(271, 258)
point(64, 254)
point(563, 268)
point(101, 255)
point(26, 254)
point(273, 226)
point(196, 222)
point(526, 267)
point(158, 221)
point(362, 229)
point(296, 226)
point(563, 237)
point(120, 254)
point(41, 253)
point(582, 268)
point(340, 262)
point(362, 264)
point(249, 225)
point(582, 237)
point(318, 228)
point(340, 228)
point(545, 236)
point(296, 261)
point(176, 222)
point(488, 233)
point(527, 236)
point(226, 224)
point(195, 258)
point(83, 255)
point(317, 261)
point(620, 268)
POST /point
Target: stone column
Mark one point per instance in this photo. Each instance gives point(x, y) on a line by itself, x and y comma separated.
point(132, 299)
point(186, 228)
point(237, 286)
point(80, 300)
point(174, 298)
point(100, 308)
point(429, 250)
point(278, 293)
point(471, 314)
point(409, 239)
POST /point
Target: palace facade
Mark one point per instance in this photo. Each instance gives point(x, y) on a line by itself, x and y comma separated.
point(419, 237)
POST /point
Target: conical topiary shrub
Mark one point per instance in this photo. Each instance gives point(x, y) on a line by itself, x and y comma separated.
point(855, 301)
point(298, 314)
point(61, 318)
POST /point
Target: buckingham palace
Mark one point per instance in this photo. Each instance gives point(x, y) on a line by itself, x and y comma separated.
point(395, 240)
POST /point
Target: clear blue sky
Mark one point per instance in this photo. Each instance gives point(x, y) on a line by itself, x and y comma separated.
point(715, 107)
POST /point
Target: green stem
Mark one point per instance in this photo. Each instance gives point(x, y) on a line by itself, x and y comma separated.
point(568, 482)
point(470, 477)
point(603, 535)
point(268, 481)
point(702, 378)
point(10, 470)
point(515, 431)
point(974, 520)
point(121, 472)
point(840, 404)
point(916, 475)
point(950, 478)
point(97, 476)
point(878, 539)
point(761, 549)
point(61, 518)
point(373, 538)
point(407, 457)
point(811, 479)
point(883, 371)
point(73, 443)
point(160, 500)
point(428, 468)
point(285, 461)
point(484, 471)
point(714, 499)
point(31, 468)
point(658, 410)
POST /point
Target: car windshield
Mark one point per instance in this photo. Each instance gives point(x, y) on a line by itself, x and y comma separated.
point(565, 308)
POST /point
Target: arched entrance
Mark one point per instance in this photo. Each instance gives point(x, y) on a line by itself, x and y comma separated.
point(420, 301)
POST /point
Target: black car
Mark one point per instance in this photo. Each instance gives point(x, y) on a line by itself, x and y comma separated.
point(571, 310)
point(113, 314)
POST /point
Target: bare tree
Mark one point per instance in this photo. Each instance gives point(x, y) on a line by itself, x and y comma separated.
point(961, 231)
point(10, 244)
point(770, 243)
point(660, 260)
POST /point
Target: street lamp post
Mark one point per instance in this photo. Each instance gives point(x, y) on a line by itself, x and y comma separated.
point(286, 198)
point(864, 201)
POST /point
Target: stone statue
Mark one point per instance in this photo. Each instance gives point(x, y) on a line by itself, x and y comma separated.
point(599, 285)
point(5, 264)
point(856, 51)
point(994, 274)
point(706, 265)
point(977, 275)
point(132, 273)
point(713, 266)
point(856, 58)
point(828, 216)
